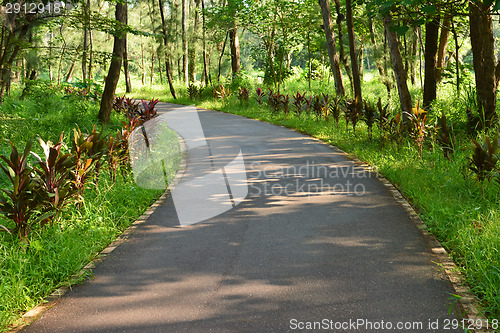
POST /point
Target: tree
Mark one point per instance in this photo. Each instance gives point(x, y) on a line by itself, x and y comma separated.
point(167, 56)
point(332, 51)
point(487, 71)
point(358, 100)
point(233, 39)
point(431, 47)
point(126, 72)
point(185, 42)
point(397, 64)
point(115, 66)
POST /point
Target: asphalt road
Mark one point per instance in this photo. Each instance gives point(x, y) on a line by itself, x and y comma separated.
point(317, 239)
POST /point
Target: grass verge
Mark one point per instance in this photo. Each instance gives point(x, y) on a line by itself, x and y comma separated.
point(31, 272)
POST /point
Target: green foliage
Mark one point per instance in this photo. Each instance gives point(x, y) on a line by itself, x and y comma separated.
point(484, 158)
point(88, 89)
point(38, 257)
point(195, 91)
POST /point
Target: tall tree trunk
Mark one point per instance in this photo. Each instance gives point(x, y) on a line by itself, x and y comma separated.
point(379, 59)
point(443, 42)
point(193, 42)
point(167, 56)
point(9, 54)
point(220, 58)
point(114, 68)
point(143, 66)
point(152, 72)
point(358, 100)
point(185, 42)
point(340, 37)
point(332, 50)
point(397, 65)
point(128, 83)
point(235, 49)
point(205, 66)
point(86, 30)
point(69, 75)
point(482, 42)
point(431, 46)
point(234, 42)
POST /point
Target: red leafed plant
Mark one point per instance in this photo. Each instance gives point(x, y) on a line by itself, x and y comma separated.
point(20, 203)
point(54, 171)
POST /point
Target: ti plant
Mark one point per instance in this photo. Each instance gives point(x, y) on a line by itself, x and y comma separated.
point(417, 125)
point(274, 100)
point(298, 102)
point(484, 157)
point(335, 109)
point(444, 137)
point(148, 110)
point(382, 120)
point(351, 114)
point(194, 91)
point(259, 95)
point(114, 154)
point(127, 106)
point(20, 204)
point(369, 114)
point(221, 92)
point(395, 129)
point(85, 156)
point(54, 176)
point(285, 100)
point(243, 94)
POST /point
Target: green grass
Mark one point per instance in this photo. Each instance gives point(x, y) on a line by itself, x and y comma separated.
point(29, 273)
point(461, 212)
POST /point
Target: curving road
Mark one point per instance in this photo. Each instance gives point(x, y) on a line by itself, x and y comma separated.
point(317, 239)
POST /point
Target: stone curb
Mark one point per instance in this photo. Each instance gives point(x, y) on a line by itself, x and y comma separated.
point(33, 314)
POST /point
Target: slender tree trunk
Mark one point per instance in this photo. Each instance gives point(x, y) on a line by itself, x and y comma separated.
point(152, 72)
point(443, 42)
point(128, 83)
point(51, 37)
point(483, 52)
point(457, 67)
point(397, 65)
point(358, 100)
point(234, 41)
point(185, 42)
point(431, 46)
point(114, 68)
point(379, 59)
point(340, 37)
point(205, 65)
point(69, 75)
point(143, 66)
point(221, 55)
point(235, 50)
point(332, 50)
point(193, 42)
point(86, 30)
point(167, 56)
point(91, 54)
